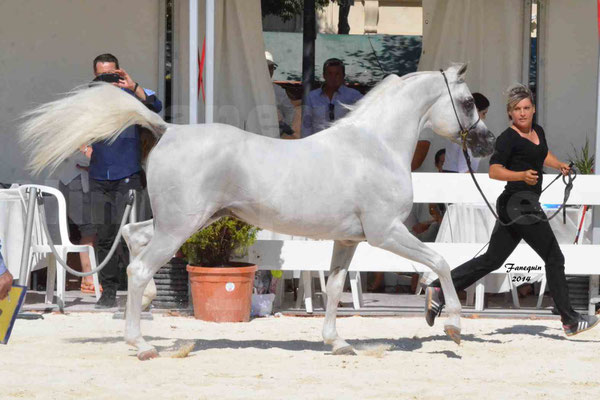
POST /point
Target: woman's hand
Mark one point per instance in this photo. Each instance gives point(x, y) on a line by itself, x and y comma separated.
point(421, 227)
point(530, 177)
point(434, 211)
point(564, 168)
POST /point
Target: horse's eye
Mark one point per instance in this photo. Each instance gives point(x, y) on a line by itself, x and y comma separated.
point(468, 104)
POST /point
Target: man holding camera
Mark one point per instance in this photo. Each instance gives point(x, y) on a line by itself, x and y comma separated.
point(114, 169)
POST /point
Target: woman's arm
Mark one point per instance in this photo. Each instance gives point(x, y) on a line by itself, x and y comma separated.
point(553, 162)
point(420, 154)
point(498, 172)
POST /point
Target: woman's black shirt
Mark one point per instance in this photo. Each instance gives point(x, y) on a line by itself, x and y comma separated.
point(516, 153)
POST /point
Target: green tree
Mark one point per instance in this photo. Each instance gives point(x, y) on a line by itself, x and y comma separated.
point(288, 9)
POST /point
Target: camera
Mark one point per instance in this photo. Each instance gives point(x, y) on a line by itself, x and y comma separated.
point(109, 77)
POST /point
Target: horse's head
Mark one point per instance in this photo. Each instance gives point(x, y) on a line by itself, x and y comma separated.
point(454, 112)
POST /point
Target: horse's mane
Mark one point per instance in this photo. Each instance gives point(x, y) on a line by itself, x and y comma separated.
point(391, 82)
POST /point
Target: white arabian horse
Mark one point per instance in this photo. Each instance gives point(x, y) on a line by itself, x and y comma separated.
point(348, 183)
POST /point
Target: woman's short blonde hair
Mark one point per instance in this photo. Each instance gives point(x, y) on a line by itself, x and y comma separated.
point(516, 94)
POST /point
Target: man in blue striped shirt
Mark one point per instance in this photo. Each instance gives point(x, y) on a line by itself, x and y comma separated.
point(114, 169)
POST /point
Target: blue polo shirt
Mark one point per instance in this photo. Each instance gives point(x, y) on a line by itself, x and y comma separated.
point(122, 158)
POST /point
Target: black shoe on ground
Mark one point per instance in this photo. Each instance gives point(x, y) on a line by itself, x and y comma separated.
point(107, 300)
point(434, 303)
point(585, 323)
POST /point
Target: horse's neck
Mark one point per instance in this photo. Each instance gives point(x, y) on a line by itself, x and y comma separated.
point(398, 117)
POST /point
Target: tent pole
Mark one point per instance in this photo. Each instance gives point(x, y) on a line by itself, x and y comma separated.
point(596, 210)
point(193, 61)
point(209, 64)
point(309, 36)
point(526, 41)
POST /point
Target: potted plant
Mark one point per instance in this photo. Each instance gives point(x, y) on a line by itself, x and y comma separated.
point(221, 289)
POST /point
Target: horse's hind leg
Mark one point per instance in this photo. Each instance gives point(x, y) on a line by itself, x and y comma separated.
point(340, 261)
point(399, 240)
point(137, 236)
point(161, 248)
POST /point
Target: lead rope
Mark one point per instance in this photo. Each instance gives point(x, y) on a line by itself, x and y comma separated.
point(62, 262)
point(463, 138)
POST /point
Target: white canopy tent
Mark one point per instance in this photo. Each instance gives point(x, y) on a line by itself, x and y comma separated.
point(485, 34)
point(54, 57)
point(238, 89)
point(493, 37)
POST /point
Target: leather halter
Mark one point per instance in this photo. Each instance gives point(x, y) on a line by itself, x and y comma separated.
point(463, 137)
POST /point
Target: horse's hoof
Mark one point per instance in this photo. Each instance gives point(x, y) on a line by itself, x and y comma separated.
point(147, 355)
point(453, 332)
point(344, 351)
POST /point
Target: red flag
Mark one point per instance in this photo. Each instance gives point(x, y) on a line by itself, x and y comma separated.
point(201, 69)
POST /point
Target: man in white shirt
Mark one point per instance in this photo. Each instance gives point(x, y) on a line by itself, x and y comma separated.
point(326, 104)
point(285, 108)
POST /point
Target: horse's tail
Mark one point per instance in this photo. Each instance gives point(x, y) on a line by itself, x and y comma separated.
point(55, 130)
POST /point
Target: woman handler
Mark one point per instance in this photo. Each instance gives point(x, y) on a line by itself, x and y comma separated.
point(520, 154)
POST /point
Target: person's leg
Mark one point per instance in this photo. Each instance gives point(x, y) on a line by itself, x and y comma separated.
point(103, 198)
point(78, 210)
point(88, 228)
point(502, 243)
point(86, 281)
point(378, 283)
point(134, 182)
point(542, 240)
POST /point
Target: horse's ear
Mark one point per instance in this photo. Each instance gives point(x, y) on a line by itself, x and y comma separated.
point(460, 74)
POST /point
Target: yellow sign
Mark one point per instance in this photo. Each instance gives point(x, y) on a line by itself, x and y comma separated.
point(9, 308)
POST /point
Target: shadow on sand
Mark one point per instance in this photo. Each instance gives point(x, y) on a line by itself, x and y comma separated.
point(537, 330)
point(392, 345)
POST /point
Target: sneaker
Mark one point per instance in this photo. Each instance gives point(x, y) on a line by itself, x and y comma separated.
point(585, 323)
point(107, 300)
point(434, 303)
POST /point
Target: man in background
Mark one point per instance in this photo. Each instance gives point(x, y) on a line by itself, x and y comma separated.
point(114, 169)
point(325, 104)
point(285, 108)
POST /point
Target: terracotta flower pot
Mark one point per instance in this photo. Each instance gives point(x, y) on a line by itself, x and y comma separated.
point(222, 294)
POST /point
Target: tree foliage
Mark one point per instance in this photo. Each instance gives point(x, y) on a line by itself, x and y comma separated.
point(288, 9)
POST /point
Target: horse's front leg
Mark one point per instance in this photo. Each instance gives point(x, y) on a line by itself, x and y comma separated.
point(140, 273)
point(149, 294)
point(138, 277)
point(340, 261)
point(397, 239)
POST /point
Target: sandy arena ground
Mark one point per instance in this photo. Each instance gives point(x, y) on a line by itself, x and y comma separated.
point(83, 356)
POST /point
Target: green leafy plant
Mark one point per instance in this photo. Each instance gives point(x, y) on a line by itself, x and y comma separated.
point(288, 9)
point(583, 160)
point(214, 245)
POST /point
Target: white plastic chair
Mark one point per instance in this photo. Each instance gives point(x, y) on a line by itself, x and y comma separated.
point(41, 255)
